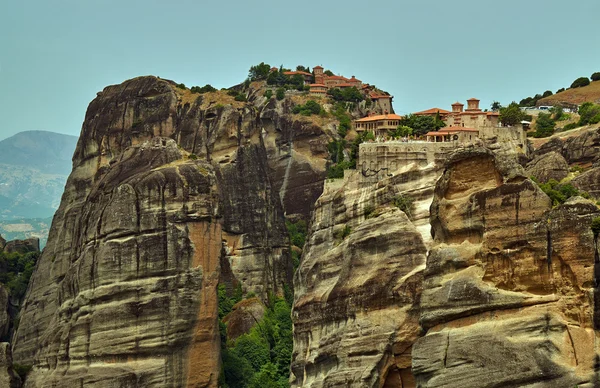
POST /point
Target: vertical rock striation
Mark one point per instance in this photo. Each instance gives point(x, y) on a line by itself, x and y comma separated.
point(170, 194)
point(508, 294)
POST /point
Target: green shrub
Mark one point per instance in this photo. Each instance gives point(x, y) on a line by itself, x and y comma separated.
point(570, 126)
point(589, 113)
point(204, 89)
point(297, 232)
point(232, 92)
point(595, 76)
point(596, 226)
point(181, 86)
point(341, 234)
point(310, 108)
point(193, 156)
point(280, 93)
point(16, 270)
point(404, 203)
point(560, 193)
point(581, 81)
point(241, 97)
point(22, 370)
point(560, 90)
point(268, 94)
point(368, 211)
point(544, 125)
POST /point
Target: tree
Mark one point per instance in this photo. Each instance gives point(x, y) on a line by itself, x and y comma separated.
point(544, 125)
point(495, 107)
point(402, 131)
point(595, 76)
point(511, 115)
point(280, 93)
point(547, 93)
point(589, 113)
point(328, 72)
point(258, 72)
point(581, 81)
point(560, 90)
point(421, 124)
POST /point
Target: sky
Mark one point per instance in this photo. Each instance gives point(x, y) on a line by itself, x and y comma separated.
point(55, 55)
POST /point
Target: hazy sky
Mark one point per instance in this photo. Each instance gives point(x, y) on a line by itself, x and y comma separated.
point(55, 55)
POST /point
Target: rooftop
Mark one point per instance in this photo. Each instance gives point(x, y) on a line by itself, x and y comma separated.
point(457, 129)
point(432, 111)
point(296, 72)
point(390, 116)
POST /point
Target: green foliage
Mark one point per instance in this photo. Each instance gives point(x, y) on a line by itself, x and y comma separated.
point(22, 370)
point(328, 72)
point(336, 171)
point(560, 90)
point(340, 112)
point(259, 72)
point(268, 94)
point(512, 114)
point(405, 203)
point(544, 125)
point(368, 211)
point(16, 270)
point(193, 156)
point(401, 131)
point(595, 76)
point(347, 94)
point(280, 93)
point(297, 232)
point(596, 226)
point(181, 86)
point(295, 259)
point(241, 97)
point(302, 68)
point(341, 234)
point(422, 124)
point(227, 302)
point(570, 126)
point(310, 108)
point(232, 92)
point(547, 93)
point(581, 81)
point(262, 357)
point(557, 113)
point(559, 193)
point(495, 107)
point(589, 113)
point(204, 89)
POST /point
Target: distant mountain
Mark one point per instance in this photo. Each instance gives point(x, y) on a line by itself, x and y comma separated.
point(34, 167)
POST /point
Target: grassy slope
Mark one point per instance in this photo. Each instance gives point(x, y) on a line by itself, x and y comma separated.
point(590, 93)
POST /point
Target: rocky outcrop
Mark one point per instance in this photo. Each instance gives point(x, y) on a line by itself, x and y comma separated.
point(509, 283)
point(8, 377)
point(2, 243)
point(582, 148)
point(548, 166)
point(23, 246)
point(4, 315)
point(171, 193)
point(358, 286)
point(243, 317)
point(589, 181)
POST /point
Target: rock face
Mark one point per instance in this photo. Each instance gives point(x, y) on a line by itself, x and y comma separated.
point(508, 296)
point(244, 315)
point(8, 377)
point(589, 181)
point(358, 286)
point(23, 246)
point(583, 148)
point(170, 194)
point(4, 315)
point(548, 166)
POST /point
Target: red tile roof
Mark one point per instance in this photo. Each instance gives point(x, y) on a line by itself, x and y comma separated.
point(317, 85)
point(296, 72)
point(337, 77)
point(317, 67)
point(472, 99)
point(375, 96)
point(390, 116)
point(458, 103)
point(432, 111)
point(493, 113)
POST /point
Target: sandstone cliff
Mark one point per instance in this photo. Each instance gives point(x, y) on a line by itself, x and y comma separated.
point(509, 290)
point(170, 194)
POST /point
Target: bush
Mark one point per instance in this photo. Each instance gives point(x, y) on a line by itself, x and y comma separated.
point(181, 86)
point(241, 97)
point(512, 114)
point(368, 211)
point(560, 193)
point(405, 203)
point(341, 234)
point(581, 81)
point(347, 94)
point(297, 232)
point(280, 93)
point(310, 108)
point(268, 94)
point(595, 76)
point(204, 89)
point(16, 270)
point(596, 226)
point(544, 125)
point(560, 90)
point(589, 113)
point(22, 370)
point(570, 126)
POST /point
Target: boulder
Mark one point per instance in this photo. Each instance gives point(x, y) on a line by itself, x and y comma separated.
point(589, 181)
point(23, 246)
point(243, 317)
point(548, 166)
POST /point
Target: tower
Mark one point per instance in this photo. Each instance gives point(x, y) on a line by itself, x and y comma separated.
point(319, 76)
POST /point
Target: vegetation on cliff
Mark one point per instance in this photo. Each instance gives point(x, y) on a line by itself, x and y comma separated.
point(260, 358)
point(15, 271)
